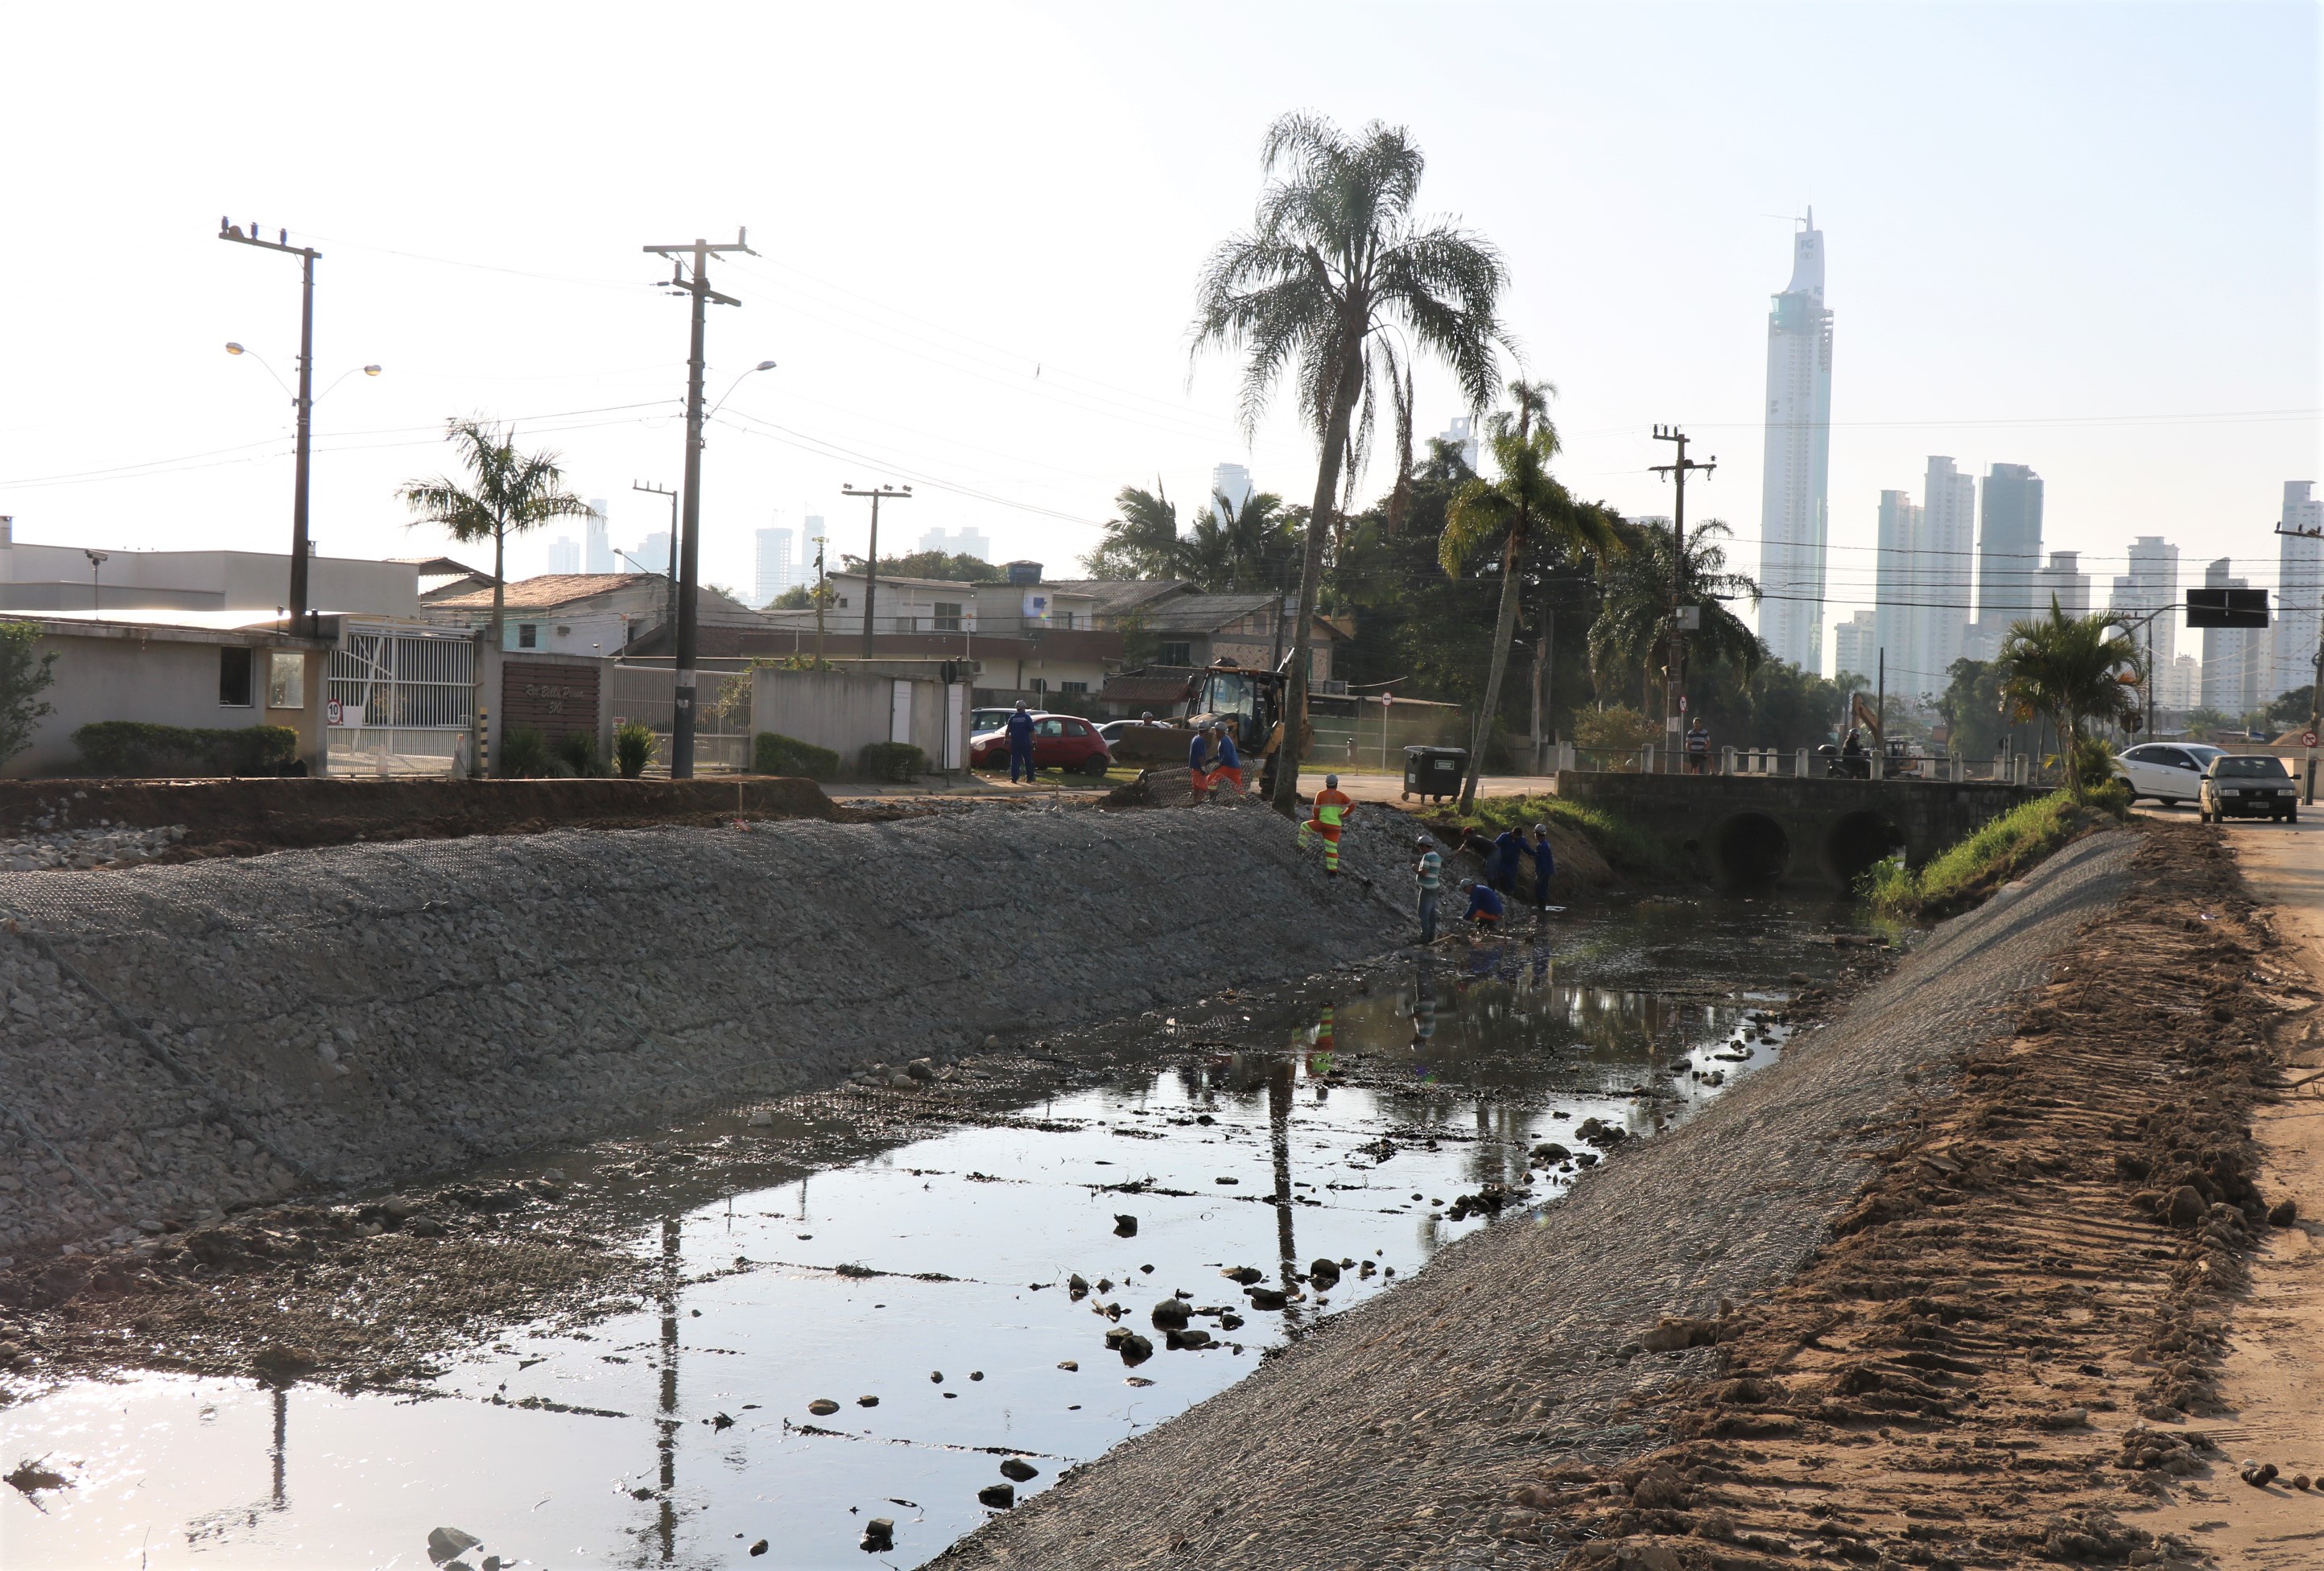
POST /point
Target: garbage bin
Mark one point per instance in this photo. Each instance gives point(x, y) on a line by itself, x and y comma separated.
point(1434, 772)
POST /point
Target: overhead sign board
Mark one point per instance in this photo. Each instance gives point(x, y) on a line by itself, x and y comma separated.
point(2226, 607)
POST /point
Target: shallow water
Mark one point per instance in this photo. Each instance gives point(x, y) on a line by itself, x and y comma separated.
point(607, 1447)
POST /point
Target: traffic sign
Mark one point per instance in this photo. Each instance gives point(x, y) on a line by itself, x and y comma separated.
point(2307, 739)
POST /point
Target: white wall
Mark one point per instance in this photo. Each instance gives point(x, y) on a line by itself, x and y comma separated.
point(205, 580)
point(159, 677)
point(844, 711)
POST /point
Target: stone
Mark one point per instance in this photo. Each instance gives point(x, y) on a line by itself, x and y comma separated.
point(1267, 1297)
point(879, 1535)
point(2284, 1213)
point(1000, 1496)
point(759, 1547)
point(1244, 1274)
point(1017, 1470)
point(823, 1407)
point(2184, 1208)
point(1659, 1488)
point(936, 1377)
point(867, 1401)
point(762, 1119)
point(1323, 1272)
point(1192, 1340)
point(1169, 1314)
point(976, 1375)
point(446, 1543)
point(1134, 1348)
point(1068, 1366)
point(921, 1068)
point(1125, 1226)
point(1551, 1151)
point(1077, 1285)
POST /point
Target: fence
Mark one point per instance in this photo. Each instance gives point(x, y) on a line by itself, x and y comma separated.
point(646, 691)
point(399, 701)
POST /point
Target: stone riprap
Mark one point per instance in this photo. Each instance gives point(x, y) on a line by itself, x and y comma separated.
point(104, 845)
point(182, 1040)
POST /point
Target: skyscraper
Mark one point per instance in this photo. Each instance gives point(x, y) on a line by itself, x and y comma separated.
point(2232, 656)
point(1855, 644)
point(1798, 460)
point(776, 567)
point(596, 545)
point(2008, 547)
point(2151, 584)
point(563, 554)
point(811, 530)
point(961, 542)
point(1941, 575)
point(1896, 614)
point(1462, 434)
point(2063, 580)
point(1232, 482)
point(2299, 590)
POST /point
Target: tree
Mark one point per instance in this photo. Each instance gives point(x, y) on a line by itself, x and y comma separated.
point(1634, 623)
point(2069, 669)
point(1143, 542)
point(1334, 262)
point(508, 493)
point(23, 680)
point(957, 567)
point(1246, 547)
point(1506, 514)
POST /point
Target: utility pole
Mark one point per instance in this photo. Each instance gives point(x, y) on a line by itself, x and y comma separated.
point(695, 283)
point(304, 402)
point(670, 618)
point(822, 594)
point(872, 561)
point(1674, 674)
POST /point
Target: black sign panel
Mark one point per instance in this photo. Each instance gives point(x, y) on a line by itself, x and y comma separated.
point(2226, 607)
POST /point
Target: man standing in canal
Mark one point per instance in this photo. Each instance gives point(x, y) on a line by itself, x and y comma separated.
point(1429, 872)
point(1020, 742)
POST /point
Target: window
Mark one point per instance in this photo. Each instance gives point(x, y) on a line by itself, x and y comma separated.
point(1065, 619)
point(947, 616)
point(842, 602)
point(1039, 684)
point(234, 678)
point(286, 679)
point(527, 635)
point(1176, 655)
point(1049, 728)
point(1072, 687)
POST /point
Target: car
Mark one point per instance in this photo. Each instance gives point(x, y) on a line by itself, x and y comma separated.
point(2165, 772)
point(1060, 741)
point(2248, 785)
point(988, 720)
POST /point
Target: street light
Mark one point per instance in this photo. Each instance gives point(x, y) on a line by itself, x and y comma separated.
point(97, 560)
point(762, 365)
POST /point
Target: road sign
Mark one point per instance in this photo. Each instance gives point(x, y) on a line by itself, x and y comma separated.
point(2226, 607)
point(2307, 739)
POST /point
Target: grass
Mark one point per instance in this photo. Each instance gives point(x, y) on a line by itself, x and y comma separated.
point(1623, 844)
point(1973, 868)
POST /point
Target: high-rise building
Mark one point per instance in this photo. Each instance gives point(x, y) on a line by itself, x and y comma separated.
point(811, 530)
point(2151, 585)
point(597, 545)
point(1941, 577)
point(652, 555)
point(1896, 614)
point(2182, 683)
point(2008, 547)
point(1232, 482)
point(961, 542)
point(2233, 657)
point(1462, 434)
point(564, 555)
point(1855, 644)
point(2299, 590)
point(1795, 476)
point(777, 565)
point(2062, 581)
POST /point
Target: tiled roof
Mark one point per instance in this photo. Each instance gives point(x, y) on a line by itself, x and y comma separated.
point(545, 591)
point(1115, 596)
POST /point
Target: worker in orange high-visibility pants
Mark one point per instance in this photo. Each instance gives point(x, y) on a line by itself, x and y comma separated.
point(1328, 817)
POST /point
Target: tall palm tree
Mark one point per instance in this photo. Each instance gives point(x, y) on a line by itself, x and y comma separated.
point(1245, 547)
point(2069, 670)
point(1511, 513)
point(1334, 262)
point(1143, 542)
point(1634, 623)
point(508, 493)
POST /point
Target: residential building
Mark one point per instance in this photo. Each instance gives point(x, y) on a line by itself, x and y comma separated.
point(2234, 658)
point(1796, 473)
point(1232, 482)
point(586, 613)
point(2064, 582)
point(2299, 589)
point(2152, 585)
point(1855, 644)
point(1123, 604)
point(1896, 614)
point(1941, 576)
point(2183, 683)
point(564, 555)
point(597, 544)
point(2009, 548)
point(775, 567)
point(960, 542)
point(1462, 434)
point(63, 578)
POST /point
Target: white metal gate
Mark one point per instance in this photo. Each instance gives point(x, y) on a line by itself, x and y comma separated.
point(402, 701)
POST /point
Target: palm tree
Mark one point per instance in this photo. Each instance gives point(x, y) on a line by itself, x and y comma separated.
point(1511, 514)
point(1634, 622)
point(1246, 547)
point(1334, 262)
point(508, 493)
point(2069, 670)
point(1143, 542)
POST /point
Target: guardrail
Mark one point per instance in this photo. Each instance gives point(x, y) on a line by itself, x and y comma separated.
point(1803, 763)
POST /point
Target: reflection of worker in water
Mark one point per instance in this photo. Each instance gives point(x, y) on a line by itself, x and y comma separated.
point(1320, 1055)
point(1424, 1009)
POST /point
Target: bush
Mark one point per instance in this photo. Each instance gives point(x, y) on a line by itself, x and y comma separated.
point(1972, 868)
point(1618, 729)
point(524, 753)
point(578, 751)
point(1623, 844)
point(22, 680)
point(898, 761)
point(772, 753)
point(633, 748)
point(129, 747)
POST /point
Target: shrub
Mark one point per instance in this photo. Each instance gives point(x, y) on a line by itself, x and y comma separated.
point(129, 747)
point(2003, 848)
point(898, 761)
point(1619, 729)
point(578, 751)
point(1623, 844)
point(633, 748)
point(772, 753)
point(22, 680)
point(524, 753)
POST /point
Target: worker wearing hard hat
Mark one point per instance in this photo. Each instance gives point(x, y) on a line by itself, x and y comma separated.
point(1327, 818)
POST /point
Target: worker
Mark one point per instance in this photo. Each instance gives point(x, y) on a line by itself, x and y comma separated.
point(1020, 742)
point(1485, 907)
point(1230, 764)
point(1544, 864)
point(1326, 818)
point(1429, 873)
point(1502, 863)
point(1698, 748)
point(1203, 759)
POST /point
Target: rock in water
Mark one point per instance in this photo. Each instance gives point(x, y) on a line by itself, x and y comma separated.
point(1267, 1297)
point(1077, 1285)
point(823, 1407)
point(1244, 1274)
point(1000, 1496)
point(1170, 1314)
point(880, 1535)
point(1135, 1349)
point(759, 1547)
point(448, 1543)
point(1125, 1226)
point(1017, 1470)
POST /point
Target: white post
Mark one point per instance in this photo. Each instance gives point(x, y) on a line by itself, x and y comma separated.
point(1800, 765)
point(1727, 760)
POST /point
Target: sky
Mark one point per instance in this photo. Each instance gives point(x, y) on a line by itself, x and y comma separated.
point(2081, 237)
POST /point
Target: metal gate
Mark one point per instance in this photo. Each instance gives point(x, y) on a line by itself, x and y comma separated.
point(402, 701)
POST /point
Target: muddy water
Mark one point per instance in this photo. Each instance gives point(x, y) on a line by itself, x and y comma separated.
point(933, 1278)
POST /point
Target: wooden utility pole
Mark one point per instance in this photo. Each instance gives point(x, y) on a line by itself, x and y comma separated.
point(871, 560)
point(1675, 673)
point(697, 284)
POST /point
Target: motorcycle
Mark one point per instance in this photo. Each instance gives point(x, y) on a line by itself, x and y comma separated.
point(1844, 765)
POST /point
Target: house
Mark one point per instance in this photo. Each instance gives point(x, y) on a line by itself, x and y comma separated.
point(442, 577)
point(72, 578)
point(1187, 630)
point(198, 670)
point(581, 613)
point(1117, 604)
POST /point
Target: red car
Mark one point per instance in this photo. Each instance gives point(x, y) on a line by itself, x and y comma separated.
point(1060, 741)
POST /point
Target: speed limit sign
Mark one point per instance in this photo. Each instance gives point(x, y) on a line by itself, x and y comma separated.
point(2307, 739)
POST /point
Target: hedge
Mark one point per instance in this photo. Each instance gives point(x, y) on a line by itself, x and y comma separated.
point(128, 746)
point(898, 761)
point(772, 753)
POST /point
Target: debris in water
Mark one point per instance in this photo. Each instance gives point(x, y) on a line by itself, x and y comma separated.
point(1125, 1226)
point(445, 1543)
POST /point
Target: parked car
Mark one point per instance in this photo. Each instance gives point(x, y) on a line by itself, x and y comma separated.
point(1060, 741)
point(2248, 785)
point(2165, 772)
point(988, 720)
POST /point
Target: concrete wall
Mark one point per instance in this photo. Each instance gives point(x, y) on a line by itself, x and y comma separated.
point(161, 676)
point(502, 667)
point(57, 578)
point(844, 711)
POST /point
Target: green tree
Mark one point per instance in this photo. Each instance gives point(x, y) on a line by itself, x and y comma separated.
point(953, 566)
point(24, 677)
point(2069, 669)
point(507, 493)
point(1506, 515)
point(1235, 548)
point(1333, 264)
point(1634, 624)
point(1142, 541)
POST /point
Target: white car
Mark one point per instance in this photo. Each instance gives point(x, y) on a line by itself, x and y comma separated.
point(2165, 772)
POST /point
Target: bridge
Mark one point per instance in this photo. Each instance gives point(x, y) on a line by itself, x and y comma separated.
point(1758, 831)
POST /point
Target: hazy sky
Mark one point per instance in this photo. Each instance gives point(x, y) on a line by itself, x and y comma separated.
point(2082, 237)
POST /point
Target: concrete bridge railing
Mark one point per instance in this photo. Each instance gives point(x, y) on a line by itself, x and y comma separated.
point(1759, 831)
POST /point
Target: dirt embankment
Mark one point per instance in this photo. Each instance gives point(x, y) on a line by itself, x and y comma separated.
point(244, 817)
